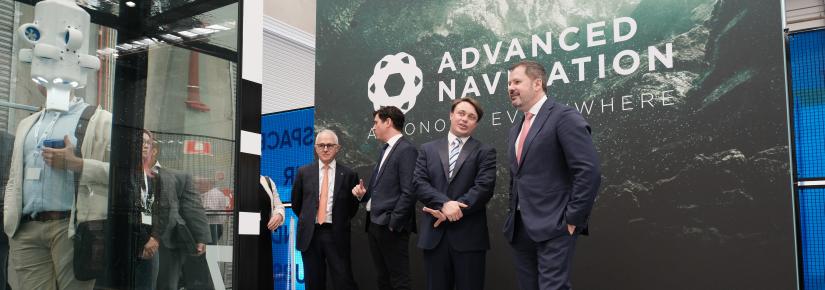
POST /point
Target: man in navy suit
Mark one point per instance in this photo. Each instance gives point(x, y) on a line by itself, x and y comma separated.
point(554, 179)
point(324, 206)
point(390, 201)
point(454, 178)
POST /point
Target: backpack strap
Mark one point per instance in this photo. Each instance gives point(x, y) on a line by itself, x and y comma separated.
point(80, 130)
point(80, 133)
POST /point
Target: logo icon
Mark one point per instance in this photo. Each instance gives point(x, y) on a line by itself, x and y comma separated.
point(404, 65)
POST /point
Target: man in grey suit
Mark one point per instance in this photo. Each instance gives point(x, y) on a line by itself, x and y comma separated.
point(554, 179)
point(173, 216)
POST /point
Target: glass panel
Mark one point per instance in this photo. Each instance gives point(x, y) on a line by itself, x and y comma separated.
point(105, 6)
point(162, 6)
point(146, 201)
point(218, 27)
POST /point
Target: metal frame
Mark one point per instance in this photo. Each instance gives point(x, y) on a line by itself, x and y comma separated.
point(147, 25)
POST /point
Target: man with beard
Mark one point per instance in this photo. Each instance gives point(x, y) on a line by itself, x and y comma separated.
point(554, 179)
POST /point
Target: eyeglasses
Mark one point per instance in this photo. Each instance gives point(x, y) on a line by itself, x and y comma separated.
point(323, 146)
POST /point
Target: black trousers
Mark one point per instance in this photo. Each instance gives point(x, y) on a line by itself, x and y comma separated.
point(327, 252)
point(448, 269)
point(543, 265)
point(390, 254)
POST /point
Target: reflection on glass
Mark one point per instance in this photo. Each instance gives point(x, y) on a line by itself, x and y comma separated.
point(162, 6)
point(104, 6)
point(56, 197)
point(55, 160)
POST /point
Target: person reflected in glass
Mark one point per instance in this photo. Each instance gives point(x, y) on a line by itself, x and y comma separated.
point(172, 209)
point(57, 179)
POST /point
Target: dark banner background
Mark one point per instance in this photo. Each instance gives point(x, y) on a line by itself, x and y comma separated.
point(696, 187)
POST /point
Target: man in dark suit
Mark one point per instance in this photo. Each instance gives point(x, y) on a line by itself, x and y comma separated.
point(171, 212)
point(454, 179)
point(322, 201)
point(390, 201)
point(554, 179)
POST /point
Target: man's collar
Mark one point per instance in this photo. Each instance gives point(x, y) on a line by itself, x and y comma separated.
point(331, 164)
point(537, 106)
point(394, 139)
point(451, 137)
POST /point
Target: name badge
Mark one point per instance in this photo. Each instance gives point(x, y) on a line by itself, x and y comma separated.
point(146, 219)
point(33, 173)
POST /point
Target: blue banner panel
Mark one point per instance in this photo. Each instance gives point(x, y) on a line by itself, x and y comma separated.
point(287, 140)
point(807, 52)
point(286, 144)
point(287, 262)
point(812, 227)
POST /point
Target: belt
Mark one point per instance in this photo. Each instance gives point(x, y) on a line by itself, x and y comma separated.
point(44, 216)
point(323, 226)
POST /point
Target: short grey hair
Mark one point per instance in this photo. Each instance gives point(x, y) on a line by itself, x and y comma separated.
point(328, 131)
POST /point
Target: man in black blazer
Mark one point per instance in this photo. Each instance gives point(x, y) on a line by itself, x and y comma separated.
point(454, 179)
point(168, 206)
point(390, 201)
point(322, 201)
point(554, 179)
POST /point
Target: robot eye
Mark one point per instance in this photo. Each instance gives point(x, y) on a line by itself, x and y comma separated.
point(30, 33)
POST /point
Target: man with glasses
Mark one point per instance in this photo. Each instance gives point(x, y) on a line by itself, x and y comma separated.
point(324, 206)
point(169, 208)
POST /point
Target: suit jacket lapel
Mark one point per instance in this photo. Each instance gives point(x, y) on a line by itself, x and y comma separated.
point(165, 186)
point(443, 154)
point(536, 126)
point(511, 145)
point(314, 186)
point(339, 179)
point(462, 156)
point(389, 155)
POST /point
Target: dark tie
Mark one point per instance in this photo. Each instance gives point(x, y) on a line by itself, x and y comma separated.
point(374, 178)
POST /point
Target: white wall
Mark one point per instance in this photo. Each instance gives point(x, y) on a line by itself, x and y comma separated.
point(804, 14)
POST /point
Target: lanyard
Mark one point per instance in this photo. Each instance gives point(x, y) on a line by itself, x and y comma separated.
point(40, 137)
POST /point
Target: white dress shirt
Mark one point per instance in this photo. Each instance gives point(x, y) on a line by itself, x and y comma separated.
point(330, 186)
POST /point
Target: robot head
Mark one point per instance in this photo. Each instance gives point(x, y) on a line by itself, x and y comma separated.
point(59, 58)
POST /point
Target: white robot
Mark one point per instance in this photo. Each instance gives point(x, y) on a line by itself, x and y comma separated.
point(59, 60)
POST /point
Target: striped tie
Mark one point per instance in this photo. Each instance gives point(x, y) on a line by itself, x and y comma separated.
point(454, 154)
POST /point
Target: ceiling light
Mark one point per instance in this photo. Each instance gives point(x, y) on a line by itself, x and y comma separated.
point(217, 27)
point(202, 31)
point(171, 37)
point(187, 34)
point(130, 3)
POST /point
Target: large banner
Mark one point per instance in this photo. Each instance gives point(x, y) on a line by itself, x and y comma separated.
point(686, 99)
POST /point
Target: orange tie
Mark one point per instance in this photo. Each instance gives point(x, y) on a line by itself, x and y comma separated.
point(322, 200)
point(528, 120)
